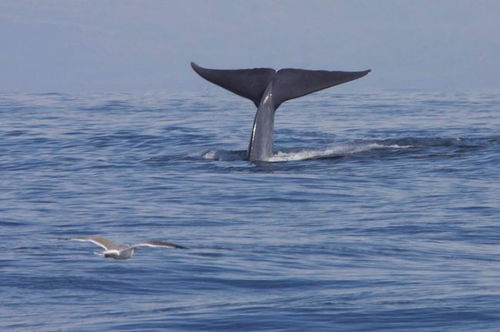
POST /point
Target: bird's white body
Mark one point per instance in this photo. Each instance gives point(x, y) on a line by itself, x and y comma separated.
point(125, 253)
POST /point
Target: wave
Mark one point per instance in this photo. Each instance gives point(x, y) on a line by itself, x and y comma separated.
point(282, 156)
point(334, 151)
point(224, 155)
point(420, 146)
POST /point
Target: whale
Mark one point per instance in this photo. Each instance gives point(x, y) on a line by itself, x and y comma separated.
point(268, 89)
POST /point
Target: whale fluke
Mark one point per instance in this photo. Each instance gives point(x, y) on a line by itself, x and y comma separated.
point(293, 83)
point(268, 89)
point(247, 83)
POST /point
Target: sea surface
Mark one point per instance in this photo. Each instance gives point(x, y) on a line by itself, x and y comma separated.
point(379, 211)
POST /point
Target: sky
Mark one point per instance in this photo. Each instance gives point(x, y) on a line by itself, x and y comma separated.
point(141, 46)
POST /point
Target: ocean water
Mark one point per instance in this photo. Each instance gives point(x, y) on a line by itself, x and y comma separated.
point(379, 211)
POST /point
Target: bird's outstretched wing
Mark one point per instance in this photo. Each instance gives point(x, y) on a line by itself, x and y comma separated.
point(154, 243)
point(100, 241)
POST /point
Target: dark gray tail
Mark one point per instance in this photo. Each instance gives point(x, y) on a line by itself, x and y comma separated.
point(287, 83)
point(268, 89)
point(247, 83)
point(293, 83)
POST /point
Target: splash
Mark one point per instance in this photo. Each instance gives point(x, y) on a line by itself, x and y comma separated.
point(210, 155)
point(224, 155)
point(341, 150)
point(334, 151)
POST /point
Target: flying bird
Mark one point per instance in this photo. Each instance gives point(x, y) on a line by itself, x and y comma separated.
point(120, 251)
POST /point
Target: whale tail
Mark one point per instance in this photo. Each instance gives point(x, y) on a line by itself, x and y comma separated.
point(293, 83)
point(268, 89)
point(287, 83)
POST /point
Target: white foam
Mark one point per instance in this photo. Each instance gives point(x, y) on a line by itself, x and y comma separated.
point(224, 155)
point(340, 150)
point(210, 155)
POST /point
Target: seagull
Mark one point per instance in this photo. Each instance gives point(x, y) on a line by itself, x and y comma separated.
point(120, 251)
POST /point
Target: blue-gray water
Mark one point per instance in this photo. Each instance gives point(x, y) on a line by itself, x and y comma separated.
point(379, 211)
